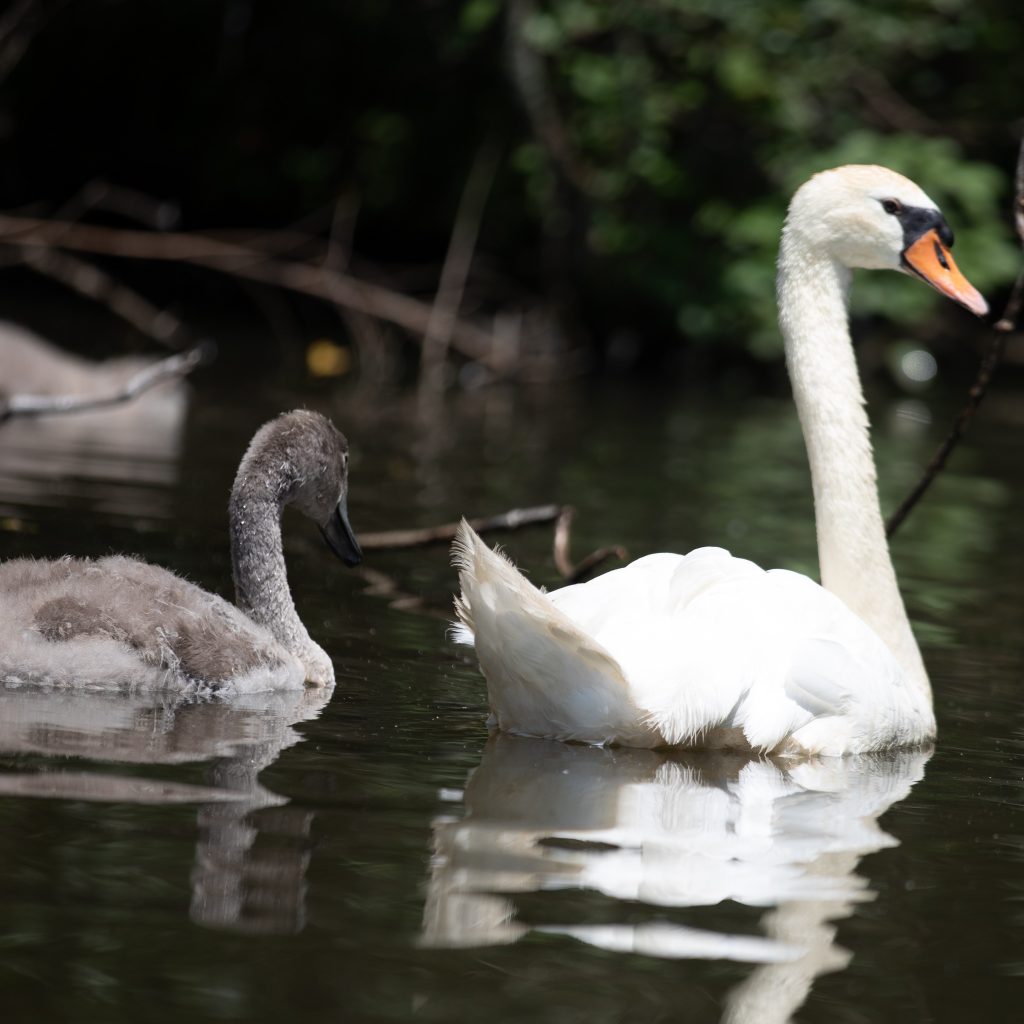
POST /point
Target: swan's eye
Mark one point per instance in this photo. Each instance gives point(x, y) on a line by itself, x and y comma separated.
point(891, 206)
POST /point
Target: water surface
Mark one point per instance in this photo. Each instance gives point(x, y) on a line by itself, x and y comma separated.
point(372, 855)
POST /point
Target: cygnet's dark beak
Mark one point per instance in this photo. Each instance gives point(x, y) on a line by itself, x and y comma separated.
point(340, 538)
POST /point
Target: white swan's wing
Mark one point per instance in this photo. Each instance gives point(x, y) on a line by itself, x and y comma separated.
point(709, 642)
point(681, 650)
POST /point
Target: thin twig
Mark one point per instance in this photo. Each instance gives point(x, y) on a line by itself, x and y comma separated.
point(935, 465)
point(241, 261)
point(158, 214)
point(455, 269)
point(576, 573)
point(1006, 325)
point(514, 519)
point(178, 365)
point(158, 324)
point(380, 584)
point(530, 78)
point(18, 26)
point(594, 560)
point(338, 250)
point(563, 528)
point(889, 103)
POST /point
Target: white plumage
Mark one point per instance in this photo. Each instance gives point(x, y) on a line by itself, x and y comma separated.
point(706, 649)
point(650, 656)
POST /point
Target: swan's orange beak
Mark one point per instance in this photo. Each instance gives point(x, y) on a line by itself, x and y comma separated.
point(931, 260)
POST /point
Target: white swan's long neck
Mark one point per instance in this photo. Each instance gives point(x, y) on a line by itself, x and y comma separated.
point(852, 548)
point(257, 560)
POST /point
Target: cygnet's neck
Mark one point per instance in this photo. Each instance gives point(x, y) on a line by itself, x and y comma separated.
point(852, 548)
point(257, 559)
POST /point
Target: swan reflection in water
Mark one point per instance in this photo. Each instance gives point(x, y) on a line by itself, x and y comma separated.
point(679, 830)
point(238, 882)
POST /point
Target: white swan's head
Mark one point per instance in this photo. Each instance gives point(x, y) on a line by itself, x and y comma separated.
point(871, 217)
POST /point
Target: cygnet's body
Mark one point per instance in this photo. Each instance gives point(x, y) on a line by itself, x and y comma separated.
point(120, 623)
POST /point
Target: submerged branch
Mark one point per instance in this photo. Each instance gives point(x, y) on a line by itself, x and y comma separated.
point(380, 584)
point(514, 519)
point(178, 365)
point(576, 573)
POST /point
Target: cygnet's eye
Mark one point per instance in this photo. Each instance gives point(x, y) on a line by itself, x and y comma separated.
point(891, 206)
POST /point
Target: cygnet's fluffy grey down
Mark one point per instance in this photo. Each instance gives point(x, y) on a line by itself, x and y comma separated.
point(120, 623)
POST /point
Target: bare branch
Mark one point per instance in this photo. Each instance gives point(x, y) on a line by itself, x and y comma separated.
point(960, 425)
point(514, 519)
point(88, 280)
point(242, 261)
point(889, 103)
point(563, 529)
point(178, 365)
point(158, 214)
point(455, 270)
point(1006, 324)
point(20, 23)
point(530, 78)
point(563, 562)
point(595, 559)
point(339, 239)
point(380, 584)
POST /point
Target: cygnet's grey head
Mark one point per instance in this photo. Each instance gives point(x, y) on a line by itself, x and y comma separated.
point(302, 459)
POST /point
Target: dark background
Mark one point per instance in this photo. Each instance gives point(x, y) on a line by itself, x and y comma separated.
point(644, 152)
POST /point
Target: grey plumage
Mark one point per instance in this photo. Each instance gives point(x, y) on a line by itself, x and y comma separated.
point(121, 623)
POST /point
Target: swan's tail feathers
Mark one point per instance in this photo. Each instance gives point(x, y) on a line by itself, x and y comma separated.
point(478, 565)
point(545, 676)
point(464, 558)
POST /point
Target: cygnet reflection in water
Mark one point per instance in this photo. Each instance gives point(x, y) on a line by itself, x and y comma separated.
point(252, 846)
point(669, 831)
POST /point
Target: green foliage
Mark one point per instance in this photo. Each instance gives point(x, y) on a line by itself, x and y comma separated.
point(971, 193)
point(650, 145)
point(693, 121)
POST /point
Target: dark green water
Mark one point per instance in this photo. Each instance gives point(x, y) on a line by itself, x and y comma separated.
point(369, 855)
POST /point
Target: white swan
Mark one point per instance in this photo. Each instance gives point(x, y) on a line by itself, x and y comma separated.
point(118, 623)
point(708, 649)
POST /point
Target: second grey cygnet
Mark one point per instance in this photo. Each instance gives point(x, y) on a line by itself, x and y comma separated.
point(117, 622)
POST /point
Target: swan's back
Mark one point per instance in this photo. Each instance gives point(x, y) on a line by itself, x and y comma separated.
point(684, 650)
point(118, 623)
point(711, 642)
